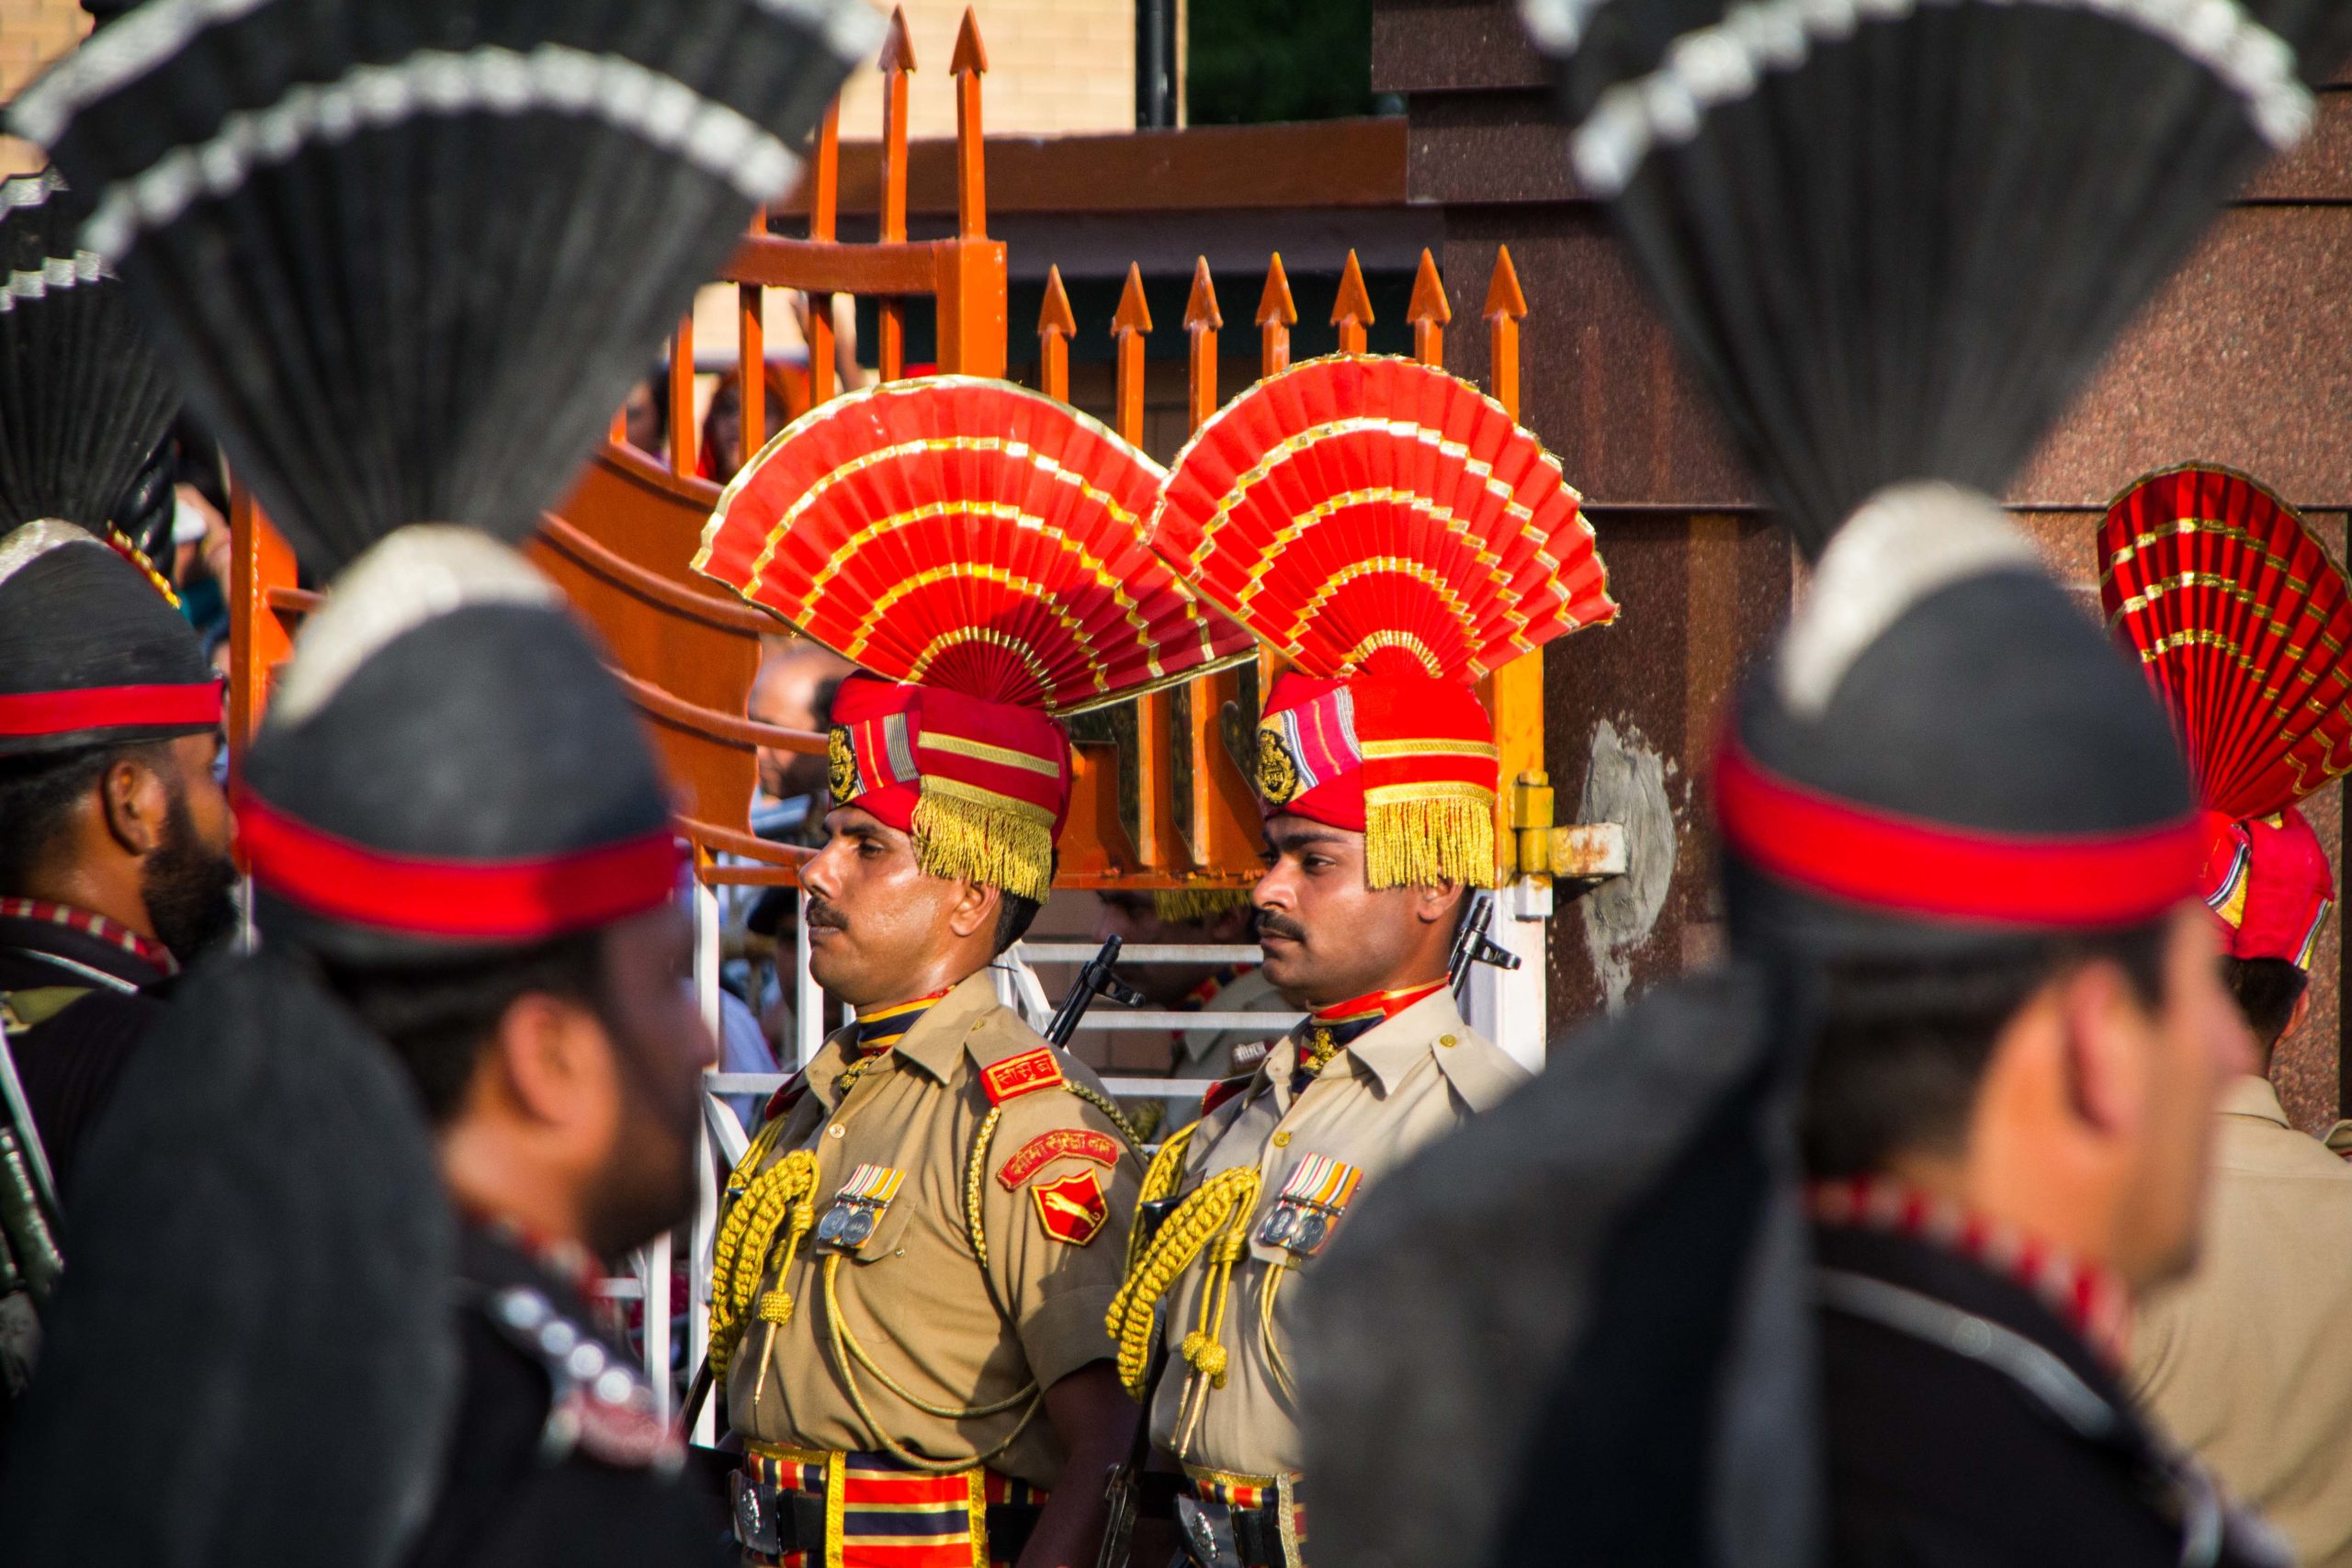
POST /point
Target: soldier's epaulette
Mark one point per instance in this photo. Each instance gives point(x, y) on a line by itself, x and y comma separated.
point(1026, 1074)
point(1225, 1089)
point(787, 1095)
point(598, 1404)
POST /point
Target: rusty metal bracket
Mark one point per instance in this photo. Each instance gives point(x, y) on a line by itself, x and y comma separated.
point(1587, 852)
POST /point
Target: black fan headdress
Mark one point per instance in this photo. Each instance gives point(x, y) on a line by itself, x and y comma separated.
point(83, 398)
point(410, 256)
point(1898, 234)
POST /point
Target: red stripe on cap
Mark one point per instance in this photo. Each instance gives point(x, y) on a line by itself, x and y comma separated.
point(1869, 856)
point(516, 900)
point(108, 708)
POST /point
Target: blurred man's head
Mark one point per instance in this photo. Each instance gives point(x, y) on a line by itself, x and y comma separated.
point(453, 812)
point(2067, 1085)
point(1328, 935)
point(883, 930)
point(1954, 807)
point(571, 1071)
point(793, 690)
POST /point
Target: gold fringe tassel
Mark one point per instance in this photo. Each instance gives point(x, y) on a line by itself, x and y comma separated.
point(964, 839)
point(1198, 903)
point(1417, 843)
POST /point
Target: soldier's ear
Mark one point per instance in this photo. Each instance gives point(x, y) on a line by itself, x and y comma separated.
point(974, 910)
point(135, 800)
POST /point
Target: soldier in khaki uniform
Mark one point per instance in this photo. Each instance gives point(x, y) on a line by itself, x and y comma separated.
point(910, 1278)
point(1379, 776)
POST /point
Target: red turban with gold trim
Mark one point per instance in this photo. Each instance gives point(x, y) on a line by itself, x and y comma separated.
point(980, 549)
point(2241, 622)
point(1390, 532)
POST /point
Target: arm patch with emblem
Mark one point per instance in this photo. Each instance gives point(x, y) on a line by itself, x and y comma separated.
point(1024, 1074)
point(1073, 1209)
point(1073, 1143)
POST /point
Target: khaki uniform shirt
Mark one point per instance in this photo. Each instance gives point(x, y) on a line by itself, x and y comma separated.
point(1401, 1084)
point(2248, 1362)
point(914, 1296)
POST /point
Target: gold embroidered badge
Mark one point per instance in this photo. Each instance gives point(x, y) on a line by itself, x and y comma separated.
point(840, 766)
point(1277, 773)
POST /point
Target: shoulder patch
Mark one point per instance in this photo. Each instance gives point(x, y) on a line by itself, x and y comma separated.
point(1073, 1210)
point(1062, 1142)
point(1026, 1074)
point(1225, 1089)
point(786, 1096)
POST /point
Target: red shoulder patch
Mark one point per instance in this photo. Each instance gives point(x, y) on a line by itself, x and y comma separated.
point(1073, 1210)
point(1062, 1142)
point(1024, 1074)
point(786, 1096)
point(1223, 1090)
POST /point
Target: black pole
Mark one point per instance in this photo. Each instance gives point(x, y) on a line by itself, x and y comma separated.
point(1155, 64)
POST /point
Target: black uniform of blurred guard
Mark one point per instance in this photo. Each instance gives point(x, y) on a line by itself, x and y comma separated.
point(1857, 1219)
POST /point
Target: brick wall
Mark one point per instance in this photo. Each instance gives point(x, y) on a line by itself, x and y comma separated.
point(32, 33)
point(1053, 66)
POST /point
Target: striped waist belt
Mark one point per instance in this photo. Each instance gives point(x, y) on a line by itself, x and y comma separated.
point(1230, 1521)
point(812, 1508)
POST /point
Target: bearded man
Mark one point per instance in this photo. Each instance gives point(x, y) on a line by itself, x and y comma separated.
point(114, 831)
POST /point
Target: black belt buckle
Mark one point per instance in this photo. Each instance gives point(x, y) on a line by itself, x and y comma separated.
point(754, 1511)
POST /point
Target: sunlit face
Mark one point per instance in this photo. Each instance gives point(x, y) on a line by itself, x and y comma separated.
point(661, 1050)
point(1327, 937)
point(2195, 1042)
point(873, 915)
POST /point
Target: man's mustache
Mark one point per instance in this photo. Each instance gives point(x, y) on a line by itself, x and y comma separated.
point(820, 913)
point(1271, 924)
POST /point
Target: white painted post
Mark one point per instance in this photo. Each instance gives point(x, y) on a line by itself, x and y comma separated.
point(706, 1222)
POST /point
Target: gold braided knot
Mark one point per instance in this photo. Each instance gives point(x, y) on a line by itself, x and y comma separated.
point(782, 1196)
point(1224, 1203)
point(1206, 1355)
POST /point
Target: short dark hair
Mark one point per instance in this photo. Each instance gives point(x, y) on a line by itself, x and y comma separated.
point(437, 1018)
point(1902, 1044)
point(2267, 990)
point(1014, 914)
point(37, 795)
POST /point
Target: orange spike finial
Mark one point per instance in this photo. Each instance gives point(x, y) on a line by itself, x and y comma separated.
point(1133, 315)
point(898, 48)
point(1503, 297)
point(1276, 316)
point(1055, 317)
point(1429, 311)
point(1200, 313)
point(971, 57)
point(1056, 326)
point(1275, 307)
point(1429, 302)
point(1351, 311)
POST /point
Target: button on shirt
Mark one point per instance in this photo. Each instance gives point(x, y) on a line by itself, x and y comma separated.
point(2246, 1362)
point(914, 1296)
point(1407, 1081)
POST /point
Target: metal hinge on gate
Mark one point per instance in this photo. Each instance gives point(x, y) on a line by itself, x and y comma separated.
point(1586, 852)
